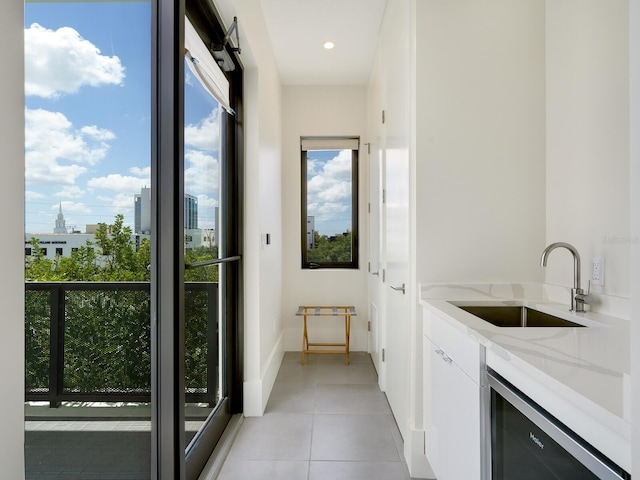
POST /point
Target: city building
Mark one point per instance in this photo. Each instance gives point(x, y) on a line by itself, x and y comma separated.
point(61, 224)
point(54, 244)
point(190, 212)
point(142, 211)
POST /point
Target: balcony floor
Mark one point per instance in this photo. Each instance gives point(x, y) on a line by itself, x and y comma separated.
point(92, 441)
point(323, 420)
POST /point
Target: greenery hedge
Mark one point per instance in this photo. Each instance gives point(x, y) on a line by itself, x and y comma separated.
point(107, 333)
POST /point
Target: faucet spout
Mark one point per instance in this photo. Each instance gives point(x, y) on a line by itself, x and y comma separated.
point(578, 297)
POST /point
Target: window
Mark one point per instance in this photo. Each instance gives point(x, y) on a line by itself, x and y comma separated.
point(329, 222)
point(59, 251)
point(27, 251)
point(44, 252)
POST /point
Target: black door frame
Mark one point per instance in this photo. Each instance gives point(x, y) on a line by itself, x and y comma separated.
point(168, 459)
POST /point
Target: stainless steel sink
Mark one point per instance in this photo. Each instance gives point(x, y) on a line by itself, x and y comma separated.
point(517, 316)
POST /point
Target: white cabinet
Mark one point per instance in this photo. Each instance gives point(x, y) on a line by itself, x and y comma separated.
point(452, 393)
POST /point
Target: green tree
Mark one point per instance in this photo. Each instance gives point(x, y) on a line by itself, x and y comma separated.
point(111, 258)
point(118, 254)
point(107, 332)
point(37, 265)
point(331, 249)
point(201, 274)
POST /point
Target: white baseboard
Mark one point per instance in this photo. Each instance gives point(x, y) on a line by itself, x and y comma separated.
point(257, 392)
point(415, 457)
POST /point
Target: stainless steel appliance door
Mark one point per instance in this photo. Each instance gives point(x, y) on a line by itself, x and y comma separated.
point(528, 443)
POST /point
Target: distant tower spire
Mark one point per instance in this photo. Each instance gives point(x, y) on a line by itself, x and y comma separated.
point(61, 223)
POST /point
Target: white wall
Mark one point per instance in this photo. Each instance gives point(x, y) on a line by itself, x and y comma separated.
point(588, 139)
point(479, 152)
point(11, 194)
point(263, 198)
point(634, 128)
point(321, 111)
point(480, 140)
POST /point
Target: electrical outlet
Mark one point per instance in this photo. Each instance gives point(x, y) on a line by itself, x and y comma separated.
point(597, 271)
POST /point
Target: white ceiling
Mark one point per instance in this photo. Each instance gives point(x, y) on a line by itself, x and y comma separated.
point(298, 28)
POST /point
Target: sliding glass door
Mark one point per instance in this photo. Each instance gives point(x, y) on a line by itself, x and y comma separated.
point(211, 240)
point(132, 241)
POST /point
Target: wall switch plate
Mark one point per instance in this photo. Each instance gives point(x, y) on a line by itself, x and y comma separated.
point(597, 271)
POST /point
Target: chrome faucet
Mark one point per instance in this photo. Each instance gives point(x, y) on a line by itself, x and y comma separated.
point(578, 295)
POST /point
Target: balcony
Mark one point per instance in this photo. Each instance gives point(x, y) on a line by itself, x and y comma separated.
point(88, 375)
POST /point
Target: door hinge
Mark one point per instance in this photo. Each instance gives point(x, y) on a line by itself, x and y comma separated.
point(369, 326)
point(384, 275)
point(369, 267)
point(383, 354)
point(382, 116)
point(384, 195)
point(369, 207)
point(369, 148)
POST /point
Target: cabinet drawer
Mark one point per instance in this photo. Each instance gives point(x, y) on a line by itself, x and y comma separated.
point(462, 349)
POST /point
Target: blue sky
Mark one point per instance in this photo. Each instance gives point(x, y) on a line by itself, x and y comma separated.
point(87, 68)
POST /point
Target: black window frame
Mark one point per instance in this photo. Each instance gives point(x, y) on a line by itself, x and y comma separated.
point(354, 263)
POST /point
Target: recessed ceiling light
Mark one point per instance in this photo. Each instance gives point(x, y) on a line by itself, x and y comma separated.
point(328, 45)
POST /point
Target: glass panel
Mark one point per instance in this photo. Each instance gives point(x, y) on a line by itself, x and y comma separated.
point(202, 187)
point(87, 261)
point(329, 206)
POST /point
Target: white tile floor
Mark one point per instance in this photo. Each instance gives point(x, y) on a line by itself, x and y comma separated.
point(324, 420)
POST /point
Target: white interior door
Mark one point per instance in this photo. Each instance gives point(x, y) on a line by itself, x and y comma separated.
point(397, 312)
point(396, 119)
point(374, 265)
point(375, 153)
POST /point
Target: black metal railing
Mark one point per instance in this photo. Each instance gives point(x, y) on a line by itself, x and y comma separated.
point(91, 341)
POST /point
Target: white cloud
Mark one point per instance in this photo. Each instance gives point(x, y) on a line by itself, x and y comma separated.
point(188, 78)
point(61, 61)
point(98, 133)
point(201, 170)
point(71, 207)
point(206, 211)
point(201, 174)
point(205, 201)
point(122, 202)
point(141, 172)
point(29, 195)
point(119, 183)
point(54, 149)
point(329, 191)
point(332, 181)
point(70, 191)
point(205, 135)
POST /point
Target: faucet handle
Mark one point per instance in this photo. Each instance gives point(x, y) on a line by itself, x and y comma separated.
point(581, 297)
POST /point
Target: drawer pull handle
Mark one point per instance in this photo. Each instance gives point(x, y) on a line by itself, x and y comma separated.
point(444, 356)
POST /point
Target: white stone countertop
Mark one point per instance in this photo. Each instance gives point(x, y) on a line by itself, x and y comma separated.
point(580, 375)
